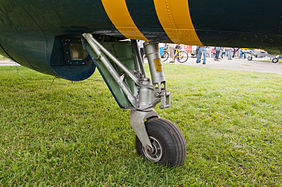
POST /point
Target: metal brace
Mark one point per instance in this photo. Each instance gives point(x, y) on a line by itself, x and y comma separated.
point(137, 121)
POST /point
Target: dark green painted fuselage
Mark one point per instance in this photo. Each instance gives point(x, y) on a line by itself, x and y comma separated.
point(30, 29)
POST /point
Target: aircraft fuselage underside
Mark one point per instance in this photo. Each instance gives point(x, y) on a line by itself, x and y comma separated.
point(29, 29)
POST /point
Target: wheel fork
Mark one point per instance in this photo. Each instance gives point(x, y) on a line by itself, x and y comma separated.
point(137, 121)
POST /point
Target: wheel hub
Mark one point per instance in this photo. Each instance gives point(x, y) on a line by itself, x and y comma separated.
point(155, 154)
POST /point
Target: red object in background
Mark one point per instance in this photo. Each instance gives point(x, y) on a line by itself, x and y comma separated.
point(188, 48)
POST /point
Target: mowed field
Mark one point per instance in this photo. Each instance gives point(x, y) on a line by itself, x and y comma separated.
point(74, 133)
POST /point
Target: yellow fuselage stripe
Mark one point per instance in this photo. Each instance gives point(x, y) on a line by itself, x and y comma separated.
point(119, 15)
point(175, 18)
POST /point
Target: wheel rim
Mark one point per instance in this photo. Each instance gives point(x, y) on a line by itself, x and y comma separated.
point(156, 154)
point(183, 57)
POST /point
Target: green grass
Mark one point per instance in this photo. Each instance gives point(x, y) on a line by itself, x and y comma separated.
point(74, 133)
point(1, 57)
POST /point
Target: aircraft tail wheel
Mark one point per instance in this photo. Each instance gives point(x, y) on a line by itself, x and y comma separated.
point(169, 147)
point(275, 60)
point(250, 58)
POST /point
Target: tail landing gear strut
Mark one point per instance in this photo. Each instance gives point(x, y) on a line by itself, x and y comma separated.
point(157, 139)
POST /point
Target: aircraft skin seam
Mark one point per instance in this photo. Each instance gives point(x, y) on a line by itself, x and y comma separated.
point(122, 16)
point(171, 14)
point(173, 23)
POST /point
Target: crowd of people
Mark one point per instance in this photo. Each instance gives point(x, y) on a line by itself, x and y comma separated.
point(219, 53)
point(202, 52)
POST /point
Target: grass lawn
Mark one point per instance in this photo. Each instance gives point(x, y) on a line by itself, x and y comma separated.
point(74, 133)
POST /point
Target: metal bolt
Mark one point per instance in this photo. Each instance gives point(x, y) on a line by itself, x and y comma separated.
point(149, 149)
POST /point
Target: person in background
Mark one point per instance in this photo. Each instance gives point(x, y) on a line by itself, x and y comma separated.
point(222, 52)
point(242, 53)
point(235, 50)
point(197, 50)
point(208, 52)
point(217, 51)
point(228, 51)
point(202, 50)
point(161, 47)
point(213, 52)
point(171, 52)
point(175, 52)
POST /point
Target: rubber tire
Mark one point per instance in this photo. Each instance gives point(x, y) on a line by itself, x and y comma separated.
point(171, 139)
point(165, 56)
point(184, 58)
point(250, 58)
point(275, 60)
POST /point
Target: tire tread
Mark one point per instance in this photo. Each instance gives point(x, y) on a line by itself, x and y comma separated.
point(176, 137)
point(178, 140)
